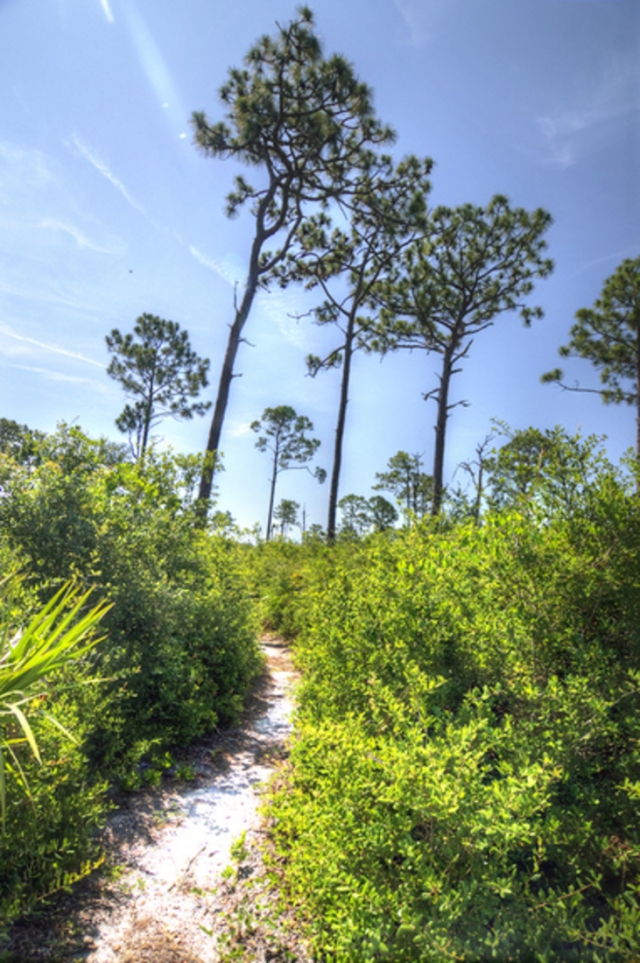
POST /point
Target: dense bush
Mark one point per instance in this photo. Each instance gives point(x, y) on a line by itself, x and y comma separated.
point(50, 805)
point(181, 647)
point(182, 644)
point(278, 571)
point(53, 811)
point(465, 779)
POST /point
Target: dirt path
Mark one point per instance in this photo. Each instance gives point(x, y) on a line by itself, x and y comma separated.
point(173, 902)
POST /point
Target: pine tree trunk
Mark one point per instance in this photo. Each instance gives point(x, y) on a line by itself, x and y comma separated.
point(147, 416)
point(479, 487)
point(342, 415)
point(145, 434)
point(272, 493)
point(441, 427)
point(226, 375)
point(145, 430)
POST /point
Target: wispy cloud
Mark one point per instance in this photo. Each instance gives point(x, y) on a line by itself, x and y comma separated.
point(155, 66)
point(420, 18)
point(22, 169)
point(100, 165)
point(238, 429)
point(227, 269)
point(615, 256)
point(54, 375)
point(570, 132)
point(107, 10)
point(46, 297)
point(81, 239)
point(278, 308)
point(6, 330)
point(413, 15)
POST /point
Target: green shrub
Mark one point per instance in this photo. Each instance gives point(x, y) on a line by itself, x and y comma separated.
point(50, 837)
point(50, 804)
point(277, 572)
point(182, 643)
point(465, 777)
point(180, 653)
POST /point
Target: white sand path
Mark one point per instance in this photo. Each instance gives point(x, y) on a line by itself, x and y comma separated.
point(168, 908)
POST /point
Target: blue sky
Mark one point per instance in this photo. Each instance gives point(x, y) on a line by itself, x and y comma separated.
point(107, 210)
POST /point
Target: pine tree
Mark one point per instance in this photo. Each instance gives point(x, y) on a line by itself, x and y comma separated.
point(385, 211)
point(286, 514)
point(608, 335)
point(405, 479)
point(301, 120)
point(285, 437)
point(471, 265)
point(159, 370)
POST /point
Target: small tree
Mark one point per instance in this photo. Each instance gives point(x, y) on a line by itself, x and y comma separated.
point(19, 441)
point(285, 437)
point(459, 504)
point(286, 514)
point(361, 515)
point(549, 467)
point(302, 121)
point(608, 335)
point(471, 264)
point(410, 485)
point(156, 367)
point(381, 513)
point(314, 535)
point(354, 510)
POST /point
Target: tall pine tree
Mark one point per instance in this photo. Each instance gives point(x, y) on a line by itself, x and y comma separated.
point(470, 265)
point(301, 120)
point(386, 211)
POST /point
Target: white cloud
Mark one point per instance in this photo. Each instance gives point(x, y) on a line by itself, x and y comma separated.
point(21, 170)
point(45, 297)
point(107, 10)
point(278, 307)
point(414, 19)
point(81, 239)
point(227, 269)
point(154, 65)
point(6, 330)
point(616, 256)
point(54, 375)
point(420, 17)
point(97, 162)
point(571, 132)
point(238, 429)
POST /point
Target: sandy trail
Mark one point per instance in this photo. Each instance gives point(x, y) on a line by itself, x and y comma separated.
point(173, 845)
point(171, 907)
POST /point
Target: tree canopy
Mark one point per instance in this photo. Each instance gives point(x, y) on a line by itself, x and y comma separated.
point(405, 479)
point(361, 515)
point(608, 335)
point(470, 265)
point(285, 436)
point(160, 371)
point(301, 120)
point(286, 514)
point(385, 212)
